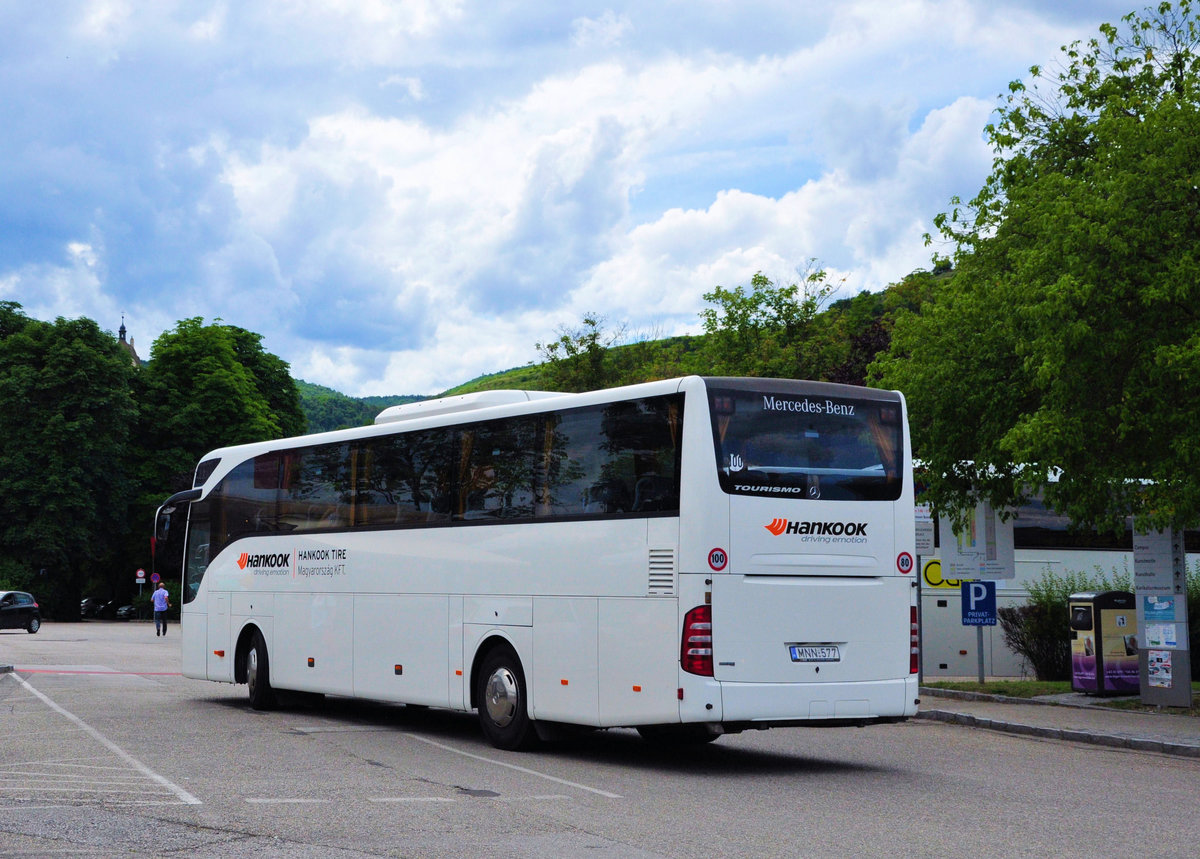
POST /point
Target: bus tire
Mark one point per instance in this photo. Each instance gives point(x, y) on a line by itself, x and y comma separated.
point(676, 736)
point(258, 675)
point(502, 697)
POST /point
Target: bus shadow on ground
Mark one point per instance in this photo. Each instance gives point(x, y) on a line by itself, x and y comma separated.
point(728, 756)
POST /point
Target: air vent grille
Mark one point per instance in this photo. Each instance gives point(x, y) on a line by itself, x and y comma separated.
point(662, 571)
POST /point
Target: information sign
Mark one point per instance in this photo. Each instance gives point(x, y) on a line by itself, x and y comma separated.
point(983, 549)
point(1164, 659)
point(924, 524)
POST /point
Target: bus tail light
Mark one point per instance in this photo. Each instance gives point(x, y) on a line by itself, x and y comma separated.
point(914, 642)
point(696, 656)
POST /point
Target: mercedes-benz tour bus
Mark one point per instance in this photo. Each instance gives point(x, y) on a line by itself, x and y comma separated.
point(689, 558)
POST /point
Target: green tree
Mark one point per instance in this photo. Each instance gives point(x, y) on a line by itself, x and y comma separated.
point(766, 330)
point(208, 386)
point(579, 359)
point(273, 380)
point(1067, 345)
point(66, 414)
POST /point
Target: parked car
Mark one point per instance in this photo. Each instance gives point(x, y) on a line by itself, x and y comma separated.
point(19, 610)
point(126, 612)
point(88, 606)
point(105, 610)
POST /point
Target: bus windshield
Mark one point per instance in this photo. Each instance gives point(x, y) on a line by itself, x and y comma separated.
point(800, 442)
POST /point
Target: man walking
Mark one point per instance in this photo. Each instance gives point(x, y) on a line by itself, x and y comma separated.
point(162, 602)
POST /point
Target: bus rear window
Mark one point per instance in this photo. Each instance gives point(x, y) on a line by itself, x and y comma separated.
point(810, 445)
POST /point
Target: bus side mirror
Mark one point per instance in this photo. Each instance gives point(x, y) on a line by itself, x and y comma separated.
point(162, 523)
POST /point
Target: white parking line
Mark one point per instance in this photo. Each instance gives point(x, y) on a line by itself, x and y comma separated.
point(525, 770)
point(179, 792)
point(416, 799)
point(366, 729)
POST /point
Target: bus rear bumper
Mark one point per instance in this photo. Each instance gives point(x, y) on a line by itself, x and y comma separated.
point(819, 703)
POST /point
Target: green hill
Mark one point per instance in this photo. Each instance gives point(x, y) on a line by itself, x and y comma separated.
point(767, 331)
point(327, 409)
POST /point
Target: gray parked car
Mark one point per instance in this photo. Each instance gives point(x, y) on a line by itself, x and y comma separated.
point(19, 610)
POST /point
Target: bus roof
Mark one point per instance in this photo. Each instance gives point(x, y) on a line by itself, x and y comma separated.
point(459, 403)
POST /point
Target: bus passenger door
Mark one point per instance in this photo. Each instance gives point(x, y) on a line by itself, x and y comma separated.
point(457, 676)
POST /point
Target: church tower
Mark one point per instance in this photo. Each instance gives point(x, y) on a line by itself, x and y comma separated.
point(127, 346)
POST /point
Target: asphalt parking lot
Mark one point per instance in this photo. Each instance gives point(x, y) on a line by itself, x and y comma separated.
point(107, 749)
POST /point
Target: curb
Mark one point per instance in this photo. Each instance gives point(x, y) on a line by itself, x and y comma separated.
point(1116, 741)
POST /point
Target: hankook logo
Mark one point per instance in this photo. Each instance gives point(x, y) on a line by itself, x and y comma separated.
point(270, 562)
point(823, 529)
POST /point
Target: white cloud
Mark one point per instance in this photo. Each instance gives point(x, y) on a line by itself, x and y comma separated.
point(211, 26)
point(105, 20)
point(605, 31)
point(411, 86)
point(468, 223)
point(400, 196)
point(72, 288)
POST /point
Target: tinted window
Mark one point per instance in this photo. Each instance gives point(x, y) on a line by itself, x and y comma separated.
point(1038, 527)
point(199, 546)
point(618, 459)
point(408, 479)
point(804, 445)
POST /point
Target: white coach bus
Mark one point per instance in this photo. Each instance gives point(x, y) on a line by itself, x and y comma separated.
point(688, 557)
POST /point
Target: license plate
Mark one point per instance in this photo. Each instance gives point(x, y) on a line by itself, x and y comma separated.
point(815, 653)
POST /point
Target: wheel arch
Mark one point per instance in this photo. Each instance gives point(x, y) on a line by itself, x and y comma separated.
point(486, 645)
point(243, 648)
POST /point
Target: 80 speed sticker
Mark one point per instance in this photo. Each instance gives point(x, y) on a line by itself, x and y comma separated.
point(904, 563)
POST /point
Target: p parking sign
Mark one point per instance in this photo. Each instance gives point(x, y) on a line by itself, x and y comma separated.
point(979, 603)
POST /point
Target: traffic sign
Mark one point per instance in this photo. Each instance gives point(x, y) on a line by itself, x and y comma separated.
point(979, 603)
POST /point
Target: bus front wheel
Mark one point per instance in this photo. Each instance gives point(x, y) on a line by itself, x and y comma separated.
point(258, 675)
point(503, 702)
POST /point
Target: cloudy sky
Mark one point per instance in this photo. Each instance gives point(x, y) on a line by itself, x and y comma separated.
point(400, 195)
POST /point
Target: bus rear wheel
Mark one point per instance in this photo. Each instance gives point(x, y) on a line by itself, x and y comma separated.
point(503, 701)
point(258, 675)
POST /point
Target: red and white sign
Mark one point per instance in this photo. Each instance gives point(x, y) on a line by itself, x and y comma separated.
point(717, 559)
point(904, 563)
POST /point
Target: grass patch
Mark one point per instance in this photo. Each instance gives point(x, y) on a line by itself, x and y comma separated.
point(1034, 688)
point(1011, 688)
